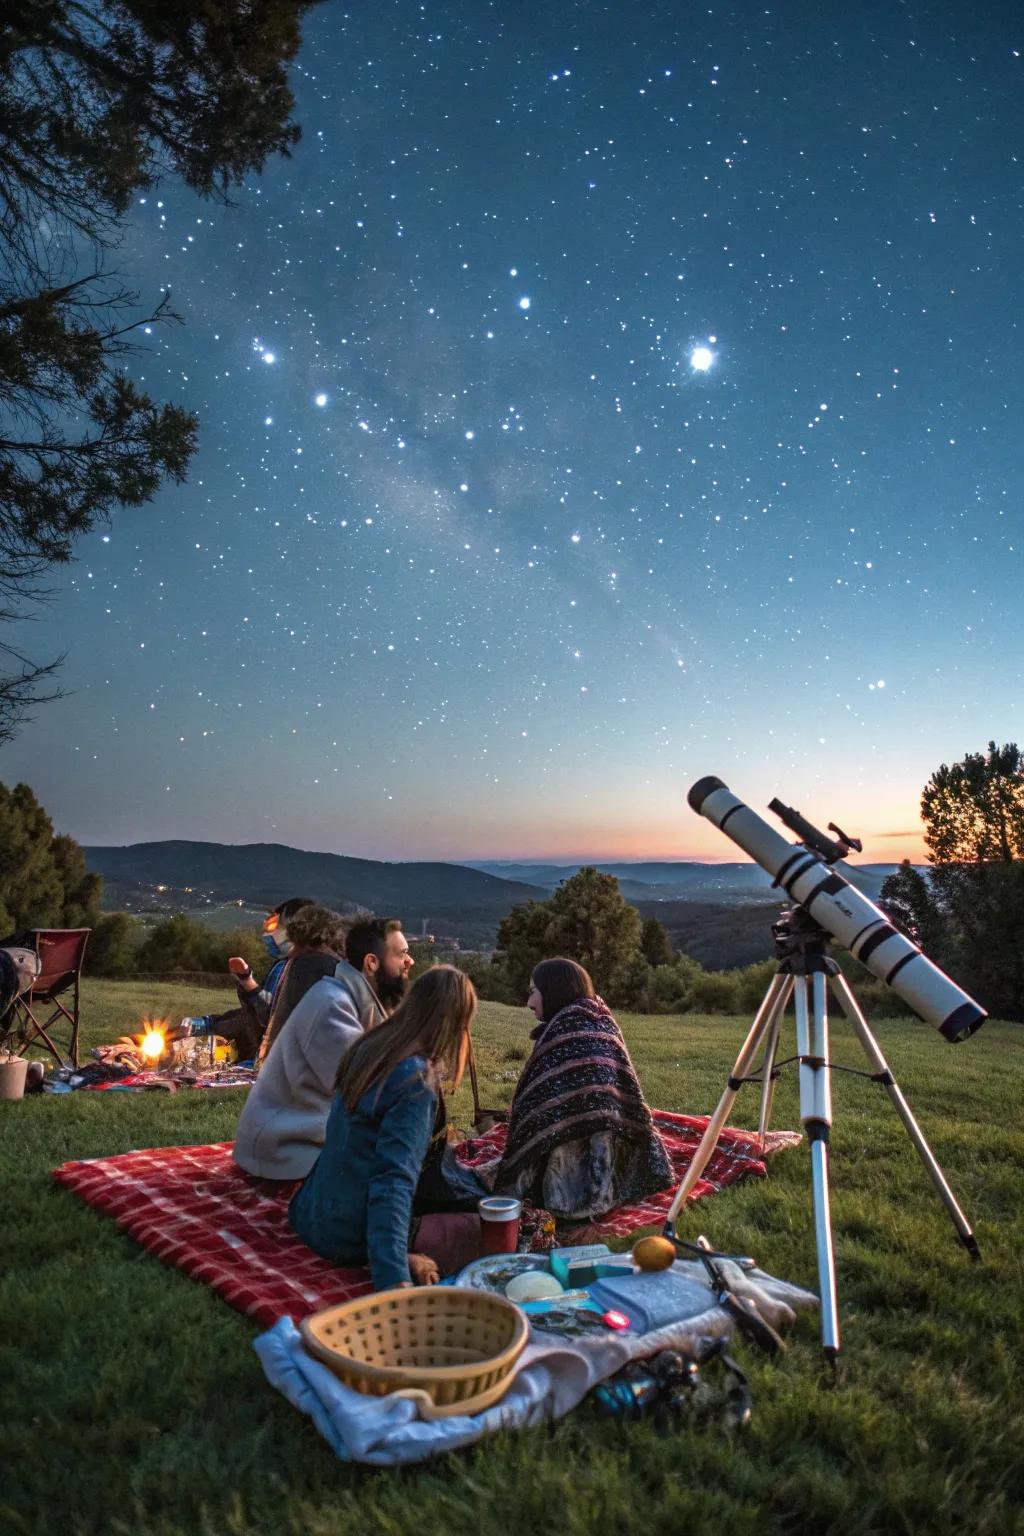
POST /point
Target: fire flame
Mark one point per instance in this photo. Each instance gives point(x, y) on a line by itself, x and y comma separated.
point(154, 1041)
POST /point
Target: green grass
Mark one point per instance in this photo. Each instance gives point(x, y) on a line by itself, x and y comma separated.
point(131, 1401)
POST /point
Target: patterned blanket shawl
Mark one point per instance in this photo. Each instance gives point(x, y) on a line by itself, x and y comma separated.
point(578, 1083)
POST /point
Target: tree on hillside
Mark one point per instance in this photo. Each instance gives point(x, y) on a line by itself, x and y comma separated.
point(113, 945)
point(176, 944)
point(911, 903)
point(98, 101)
point(654, 943)
point(522, 941)
point(967, 913)
point(587, 919)
point(974, 811)
point(179, 943)
point(43, 879)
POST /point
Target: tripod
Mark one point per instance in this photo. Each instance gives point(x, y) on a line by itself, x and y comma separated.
point(806, 973)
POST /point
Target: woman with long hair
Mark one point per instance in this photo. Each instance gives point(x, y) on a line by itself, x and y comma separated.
point(581, 1139)
point(356, 1205)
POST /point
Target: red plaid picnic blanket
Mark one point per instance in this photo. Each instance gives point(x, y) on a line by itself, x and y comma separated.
point(194, 1208)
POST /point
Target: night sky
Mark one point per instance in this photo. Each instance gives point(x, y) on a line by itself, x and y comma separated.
point(601, 397)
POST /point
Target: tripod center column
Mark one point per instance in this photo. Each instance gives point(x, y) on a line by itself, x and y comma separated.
point(812, 1048)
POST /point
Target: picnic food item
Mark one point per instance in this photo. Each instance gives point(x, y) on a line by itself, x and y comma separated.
point(654, 1253)
point(536, 1229)
point(451, 1350)
point(534, 1285)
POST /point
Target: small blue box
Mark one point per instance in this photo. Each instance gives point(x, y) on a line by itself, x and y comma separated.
point(577, 1266)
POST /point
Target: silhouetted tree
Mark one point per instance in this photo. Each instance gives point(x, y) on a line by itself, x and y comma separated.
point(911, 903)
point(587, 919)
point(522, 941)
point(97, 102)
point(974, 811)
point(967, 913)
point(654, 942)
point(43, 879)
point(113, 945)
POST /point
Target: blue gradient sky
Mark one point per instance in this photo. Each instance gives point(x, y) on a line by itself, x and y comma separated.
point(457, 577)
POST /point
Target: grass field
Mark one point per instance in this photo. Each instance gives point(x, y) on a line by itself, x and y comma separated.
point(131, 1401)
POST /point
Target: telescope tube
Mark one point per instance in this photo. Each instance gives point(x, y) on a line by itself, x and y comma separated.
point(844, 912)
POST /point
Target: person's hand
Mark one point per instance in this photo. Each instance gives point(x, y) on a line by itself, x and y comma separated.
point(423, 1269)
point(242, 971)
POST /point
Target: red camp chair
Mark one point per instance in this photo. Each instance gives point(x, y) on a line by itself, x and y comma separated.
point(45, 1015)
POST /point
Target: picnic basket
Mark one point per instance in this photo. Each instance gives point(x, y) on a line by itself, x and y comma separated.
point(449, 1349)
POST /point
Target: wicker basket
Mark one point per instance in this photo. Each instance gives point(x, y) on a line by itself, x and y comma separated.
point(452, 1350)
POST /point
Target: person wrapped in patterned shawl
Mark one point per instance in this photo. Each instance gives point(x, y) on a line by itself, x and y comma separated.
point(581, 1139)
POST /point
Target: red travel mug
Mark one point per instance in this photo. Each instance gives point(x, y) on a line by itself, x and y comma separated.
point(499, 1223)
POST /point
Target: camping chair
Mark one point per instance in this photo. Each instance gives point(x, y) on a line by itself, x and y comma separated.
point(44, 1014)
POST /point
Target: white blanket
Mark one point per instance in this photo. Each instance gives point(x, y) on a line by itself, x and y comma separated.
point(553, 1375)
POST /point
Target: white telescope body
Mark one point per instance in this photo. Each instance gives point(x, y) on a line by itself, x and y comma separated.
point(844, 912)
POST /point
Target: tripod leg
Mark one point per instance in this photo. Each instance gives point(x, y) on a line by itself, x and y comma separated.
point(770, 1011)
point(816, 1114)
point(872, 1050)
point(768, 1078)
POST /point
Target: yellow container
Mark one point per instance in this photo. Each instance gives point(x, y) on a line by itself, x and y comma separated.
point(451, 1350)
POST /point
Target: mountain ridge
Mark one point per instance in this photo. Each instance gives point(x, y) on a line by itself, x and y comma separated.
point(179, 873)
point(459, 901)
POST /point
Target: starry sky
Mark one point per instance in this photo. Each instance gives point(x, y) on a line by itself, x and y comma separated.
point(603, 395)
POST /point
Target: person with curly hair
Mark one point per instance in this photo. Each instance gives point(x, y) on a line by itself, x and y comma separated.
point(316, 939)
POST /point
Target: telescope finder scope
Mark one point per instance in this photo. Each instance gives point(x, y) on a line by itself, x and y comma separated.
point(804, 872)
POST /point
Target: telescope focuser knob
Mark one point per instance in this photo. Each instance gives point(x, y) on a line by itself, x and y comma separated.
point(852, 843)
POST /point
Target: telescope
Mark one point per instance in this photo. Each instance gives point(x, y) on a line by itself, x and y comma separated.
point(807, 875)
point(825, 906)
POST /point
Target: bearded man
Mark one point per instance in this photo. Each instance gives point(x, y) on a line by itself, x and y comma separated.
point(281, 1128)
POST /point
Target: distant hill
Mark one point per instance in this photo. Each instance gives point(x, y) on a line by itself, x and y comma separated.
point(675, 880)
point(721, 935)
point(183, 876)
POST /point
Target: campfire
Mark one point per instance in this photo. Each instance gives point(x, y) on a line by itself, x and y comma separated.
point(152, 1040)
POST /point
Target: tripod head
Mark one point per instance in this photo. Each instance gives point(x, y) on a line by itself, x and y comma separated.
point(797, 933)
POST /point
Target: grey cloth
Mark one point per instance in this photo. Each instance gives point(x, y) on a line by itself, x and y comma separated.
point(281, 1128)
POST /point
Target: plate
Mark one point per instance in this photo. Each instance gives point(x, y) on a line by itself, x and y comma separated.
point(494, 1271)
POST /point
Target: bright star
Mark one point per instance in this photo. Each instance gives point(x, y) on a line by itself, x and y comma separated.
point(269, 357)
point(701, 358)
point(321, 400)
point(524, 302)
